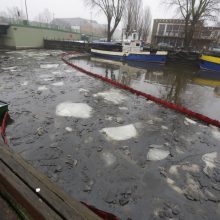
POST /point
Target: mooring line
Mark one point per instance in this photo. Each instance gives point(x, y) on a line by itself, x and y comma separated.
point(157, 100)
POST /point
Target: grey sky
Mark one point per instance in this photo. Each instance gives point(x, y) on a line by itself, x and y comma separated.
point(75, 8)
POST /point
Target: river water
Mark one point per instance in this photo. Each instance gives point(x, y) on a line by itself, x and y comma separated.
point(109, 148)
point(182, 84)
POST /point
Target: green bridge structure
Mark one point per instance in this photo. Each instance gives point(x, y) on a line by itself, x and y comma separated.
point(23, 34)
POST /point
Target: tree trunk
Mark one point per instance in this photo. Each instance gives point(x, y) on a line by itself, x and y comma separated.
point(109, 36)
point(186, 37)
point(191, 33)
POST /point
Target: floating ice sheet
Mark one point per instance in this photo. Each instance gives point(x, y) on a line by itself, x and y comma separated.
point(49, 66)
point(216, 133)
point(123, 108)
point(211, 162)
point(42, 88)
point(77, 110)
point(69, 129)
point(157, 153)
point(25, 83)
point(120, 133)
point(112, 95)
point(12, 68)
point(58, 84)
point(109, 158)
point(188, 120)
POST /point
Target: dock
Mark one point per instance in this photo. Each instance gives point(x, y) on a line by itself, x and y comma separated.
point(32, 195)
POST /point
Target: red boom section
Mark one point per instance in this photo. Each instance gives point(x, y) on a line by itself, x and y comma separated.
point(3, 127)
point(165, 103)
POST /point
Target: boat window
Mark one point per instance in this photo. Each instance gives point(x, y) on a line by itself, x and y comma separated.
point(137, 44)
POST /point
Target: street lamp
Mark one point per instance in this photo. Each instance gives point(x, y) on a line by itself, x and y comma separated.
point(26, 9)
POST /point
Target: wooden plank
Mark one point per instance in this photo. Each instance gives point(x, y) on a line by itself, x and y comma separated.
point(51, 194)
point(24, 196)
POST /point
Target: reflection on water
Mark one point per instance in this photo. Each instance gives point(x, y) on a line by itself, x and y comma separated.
point(181, 84)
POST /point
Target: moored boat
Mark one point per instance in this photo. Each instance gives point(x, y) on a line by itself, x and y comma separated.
point(158, 57)
point(132, 50)
point(210, 62)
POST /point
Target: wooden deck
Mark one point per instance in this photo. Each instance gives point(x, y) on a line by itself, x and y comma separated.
point(18, 184)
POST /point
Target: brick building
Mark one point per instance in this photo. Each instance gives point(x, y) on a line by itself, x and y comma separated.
point(171, 31)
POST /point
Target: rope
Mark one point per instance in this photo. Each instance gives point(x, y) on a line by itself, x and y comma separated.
point(3, 128)
point(170, 105)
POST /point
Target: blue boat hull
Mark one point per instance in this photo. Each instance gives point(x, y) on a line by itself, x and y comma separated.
point(135, 57)
point(209, 65)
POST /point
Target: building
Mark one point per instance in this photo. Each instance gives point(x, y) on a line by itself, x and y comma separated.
point(171, 32)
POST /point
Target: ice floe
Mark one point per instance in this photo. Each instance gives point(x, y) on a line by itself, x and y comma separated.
point(164, 127)
point(211, 161)
point(190, 121)
point(112, 95)
point(12, 68)
point(173, 185)
point(58, 84)
point(83, 90)
point(49, 66)
point(174, 169)
point(123, 108)
point(215, 133)
point(120, 133)
point(157, 152)
point(25, 83)
point(77, 110)
point(109, 158)
point(42, 88)
point(69, 129)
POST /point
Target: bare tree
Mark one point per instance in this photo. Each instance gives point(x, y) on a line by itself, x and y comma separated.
point(136, 18)
point(45, 16)
point(193, 12)
point(113, 10)
point(147, 18)
point(14, 13)
point(128, 17)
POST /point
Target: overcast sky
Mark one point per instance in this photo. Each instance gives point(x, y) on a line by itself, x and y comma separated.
point(75, 8)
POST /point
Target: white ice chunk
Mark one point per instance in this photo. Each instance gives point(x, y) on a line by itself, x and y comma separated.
point(58, 84)
point(123, 108)
point(42, 88)
point(112, 95)
point(77, 110)
point(173, 185)
point(156, 154)
point(190, 121)
point(120, 133)
point(83, 90)
point(49, 66)
point(194, 168)
point(164, 127)
point(25, 83)
point(210, 160)
point(109, 158)
point(216, 133)
point(48, 79)
point(69, 129)
point(12, 68)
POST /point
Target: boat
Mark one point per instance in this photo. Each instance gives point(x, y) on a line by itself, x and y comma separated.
point(210, 62)
point(3, 109)
point(132, 50)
